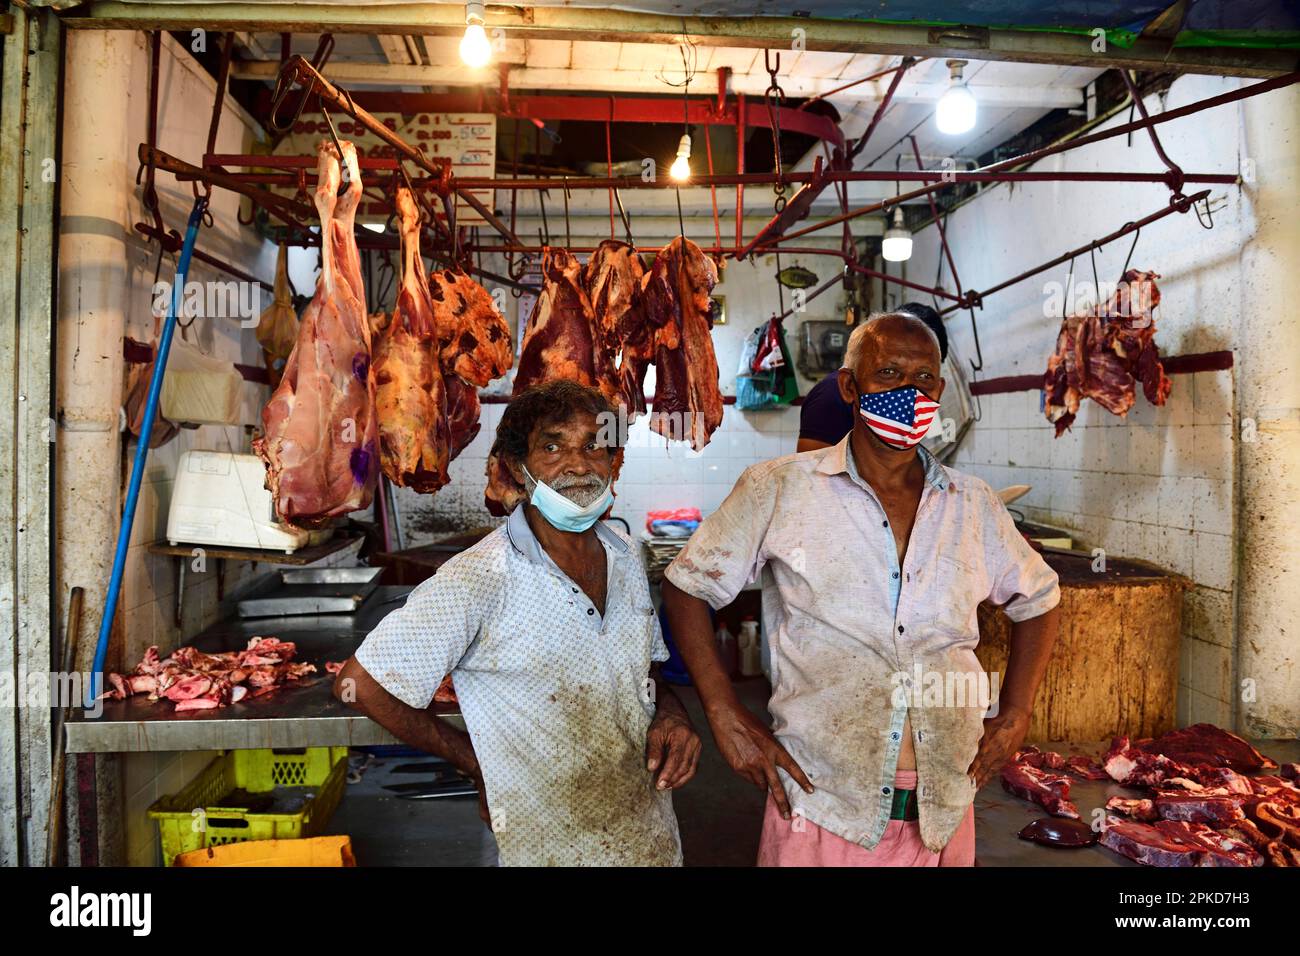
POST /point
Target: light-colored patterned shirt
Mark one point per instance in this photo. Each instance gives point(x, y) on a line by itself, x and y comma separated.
point(555, 695)
point(859, 645)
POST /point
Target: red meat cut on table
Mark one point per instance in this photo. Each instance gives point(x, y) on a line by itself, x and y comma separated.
point(1214, 809)
point(193, 680)
point(1103, 354)
point(677, 302)
point(1208, 744)
point(1049, 790)
point(1134, 767)
point(1138, 809)
point(1176, 843)
point(410, 397)
point(1203, 807)
point(318, 430)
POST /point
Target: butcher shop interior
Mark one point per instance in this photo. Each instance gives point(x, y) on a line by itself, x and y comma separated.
point(302, 300)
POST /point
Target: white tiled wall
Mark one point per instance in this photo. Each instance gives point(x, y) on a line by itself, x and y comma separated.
point(656, 475)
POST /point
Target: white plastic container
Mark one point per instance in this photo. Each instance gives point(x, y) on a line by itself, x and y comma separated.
point(750, 645)
point(218, 498)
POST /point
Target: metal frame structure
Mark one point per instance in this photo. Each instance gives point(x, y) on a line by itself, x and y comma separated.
point(611, 25)
point(771, 238)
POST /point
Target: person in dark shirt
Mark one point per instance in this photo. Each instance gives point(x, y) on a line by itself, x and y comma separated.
point(825, 418)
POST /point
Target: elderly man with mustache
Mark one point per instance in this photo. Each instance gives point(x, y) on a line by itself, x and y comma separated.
point(548, 630)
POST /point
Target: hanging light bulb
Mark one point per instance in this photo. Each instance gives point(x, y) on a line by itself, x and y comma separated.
point(897, 244)
point(681, 167)
point(475, 50)
point(957, 108)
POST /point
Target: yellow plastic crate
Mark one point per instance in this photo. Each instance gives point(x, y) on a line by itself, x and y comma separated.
point(193, 820)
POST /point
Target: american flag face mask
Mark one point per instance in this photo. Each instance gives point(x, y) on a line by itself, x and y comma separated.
point(899, 417)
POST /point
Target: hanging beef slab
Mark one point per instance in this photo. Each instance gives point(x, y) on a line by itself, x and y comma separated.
point(1103, 354)
point(410, 395)
point(677, 290)
point(318, 430)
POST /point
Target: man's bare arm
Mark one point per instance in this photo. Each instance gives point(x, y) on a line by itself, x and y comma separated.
point(745, 742)
point(1030, 650)
point(421, 729)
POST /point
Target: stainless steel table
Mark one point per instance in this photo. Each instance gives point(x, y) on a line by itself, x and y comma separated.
point(302, 715)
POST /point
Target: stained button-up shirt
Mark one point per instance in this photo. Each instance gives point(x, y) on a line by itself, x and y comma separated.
point(858, 642)
point(555, 695)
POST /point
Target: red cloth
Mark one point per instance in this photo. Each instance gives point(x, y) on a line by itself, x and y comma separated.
point(800, 842)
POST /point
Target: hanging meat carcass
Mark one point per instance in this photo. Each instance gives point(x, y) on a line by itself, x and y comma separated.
point(613, 278)
point(473, 339)
point(462, 412)
point(318, 430)
point(676, 300)
point(561, 340)
point(1103, 354)
point(410, 395)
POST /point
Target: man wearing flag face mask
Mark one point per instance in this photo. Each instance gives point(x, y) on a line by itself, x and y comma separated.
point(549, 633)
point(874, 557)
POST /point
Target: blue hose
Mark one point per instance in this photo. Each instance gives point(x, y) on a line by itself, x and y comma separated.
point(142, 449)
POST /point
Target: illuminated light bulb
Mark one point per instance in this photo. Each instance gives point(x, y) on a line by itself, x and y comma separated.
point(475, 50)
point(681, 167)
point(957, 108)
point(897, 244)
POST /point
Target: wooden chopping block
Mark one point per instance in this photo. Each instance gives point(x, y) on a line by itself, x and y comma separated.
point(1115, 665)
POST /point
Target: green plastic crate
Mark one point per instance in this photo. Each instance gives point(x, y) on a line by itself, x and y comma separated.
point(182, 829)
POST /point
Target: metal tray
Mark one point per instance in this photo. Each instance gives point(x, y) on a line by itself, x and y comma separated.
point(306, 591)
point(330, 575)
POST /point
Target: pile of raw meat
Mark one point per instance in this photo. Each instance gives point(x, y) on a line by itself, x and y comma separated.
point(393, 392)
point(1209, 805)
point(1103, 354)
point(193, 680)
point(442, 342)
point(605, 323)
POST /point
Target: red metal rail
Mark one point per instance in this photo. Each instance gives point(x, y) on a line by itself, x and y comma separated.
point(1173, 365)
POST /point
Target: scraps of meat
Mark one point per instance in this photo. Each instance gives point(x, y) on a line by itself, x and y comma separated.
point(318, 430)
point(193, 680)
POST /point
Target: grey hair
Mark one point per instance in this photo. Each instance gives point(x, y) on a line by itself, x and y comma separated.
point(858, 337)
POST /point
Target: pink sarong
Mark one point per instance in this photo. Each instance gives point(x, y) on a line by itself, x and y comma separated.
point(800, 842)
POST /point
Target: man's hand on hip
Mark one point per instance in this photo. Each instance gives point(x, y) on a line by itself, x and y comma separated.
point(1003, 736)
point(673, 748)
point(754, 753)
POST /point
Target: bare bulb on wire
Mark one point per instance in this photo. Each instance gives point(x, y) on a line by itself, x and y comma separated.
point(681, 167)
point(475, 50)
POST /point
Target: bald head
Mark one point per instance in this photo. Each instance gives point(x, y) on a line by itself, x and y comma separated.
point(886, 326)
point(890, 350)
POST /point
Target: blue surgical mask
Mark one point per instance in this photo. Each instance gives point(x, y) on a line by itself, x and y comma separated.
point(564, 513)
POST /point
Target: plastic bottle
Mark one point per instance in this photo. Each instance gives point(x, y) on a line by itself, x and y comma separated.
point(727, 650)
point(750, 648)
